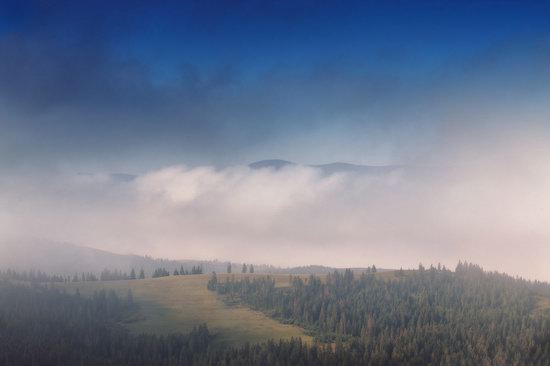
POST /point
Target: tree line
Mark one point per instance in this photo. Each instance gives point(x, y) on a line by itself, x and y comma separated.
point(105, 275)
point(162, 272)
point(244, 269)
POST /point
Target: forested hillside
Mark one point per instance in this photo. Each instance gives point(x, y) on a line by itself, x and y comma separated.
point(422, 317)
point(430, 316)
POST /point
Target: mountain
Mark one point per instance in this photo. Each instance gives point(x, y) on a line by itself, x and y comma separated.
point(271, 164)
point(330, 168)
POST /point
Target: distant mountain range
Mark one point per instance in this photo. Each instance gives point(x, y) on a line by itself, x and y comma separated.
point(67, 259)
point(277, 164)
point(330, 168)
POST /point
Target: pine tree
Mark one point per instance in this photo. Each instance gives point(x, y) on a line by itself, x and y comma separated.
point(244, 268)
point(229, 267)
point(251, 268)
point(213, 282)
point(141, 274)
point(132, 274)
point(176, 273)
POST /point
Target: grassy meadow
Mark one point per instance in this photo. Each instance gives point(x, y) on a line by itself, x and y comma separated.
point(178, 303)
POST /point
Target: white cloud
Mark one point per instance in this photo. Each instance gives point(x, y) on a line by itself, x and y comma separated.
point(493, 216)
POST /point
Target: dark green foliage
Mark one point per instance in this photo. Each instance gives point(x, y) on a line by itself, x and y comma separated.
point(33, 276)
point(160, 272)
point(41, 326)
point(115, 275)
point(196, 270)
point(212, 282)
point(428, 316)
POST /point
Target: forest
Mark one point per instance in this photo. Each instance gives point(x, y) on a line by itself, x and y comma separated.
point(423, 317)
point(426, 317)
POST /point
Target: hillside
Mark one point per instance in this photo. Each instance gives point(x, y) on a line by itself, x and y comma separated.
point(67, 259)
point(179, 303)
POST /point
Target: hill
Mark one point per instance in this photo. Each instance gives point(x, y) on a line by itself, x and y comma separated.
point(67, 259)
point(179, 303)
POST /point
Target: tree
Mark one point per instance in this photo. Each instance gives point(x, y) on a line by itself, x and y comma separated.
point(213, 282)
point(176, 273)
point(132, 274)
point(160, 272)
point(244, 268)
point(141, 274)
point(229, 267)
point(251, 268)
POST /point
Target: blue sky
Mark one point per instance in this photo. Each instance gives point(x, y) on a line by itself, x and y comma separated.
point(135, 84)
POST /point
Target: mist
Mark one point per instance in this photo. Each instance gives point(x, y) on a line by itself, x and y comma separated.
point(491, 210)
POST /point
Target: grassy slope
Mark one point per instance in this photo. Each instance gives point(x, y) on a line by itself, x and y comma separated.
point(178, 303)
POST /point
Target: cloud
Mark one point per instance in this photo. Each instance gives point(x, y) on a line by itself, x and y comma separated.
point(133, 87)
point(493, 214)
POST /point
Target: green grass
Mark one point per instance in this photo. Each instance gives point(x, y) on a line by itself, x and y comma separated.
point(178, 303)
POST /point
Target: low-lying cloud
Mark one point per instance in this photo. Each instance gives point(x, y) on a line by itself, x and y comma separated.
point(495, 215)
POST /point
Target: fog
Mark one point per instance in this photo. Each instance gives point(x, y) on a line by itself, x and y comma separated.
point(492, 210)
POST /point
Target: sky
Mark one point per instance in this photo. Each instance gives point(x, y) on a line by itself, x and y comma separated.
point(185, 94)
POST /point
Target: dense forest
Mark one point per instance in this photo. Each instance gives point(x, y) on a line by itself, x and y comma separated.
point(426, 317)
point(430, 316)
point(44, 326)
